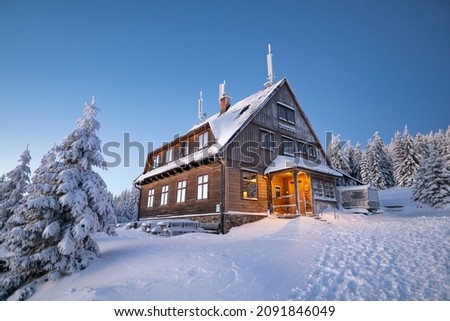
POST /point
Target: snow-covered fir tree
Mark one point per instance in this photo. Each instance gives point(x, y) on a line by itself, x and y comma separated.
point(67, 203)
point(337, 156)
point(365, 172)
point(13, 188)
point(126, 205)
point(34, 229)
point(432, 182)
point(405, 159)
point(354, 155)
point(381, 174)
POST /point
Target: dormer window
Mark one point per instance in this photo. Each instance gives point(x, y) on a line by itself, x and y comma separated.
point(156, 161)
point(184, 149)
point(169, 155)
point(203, 140)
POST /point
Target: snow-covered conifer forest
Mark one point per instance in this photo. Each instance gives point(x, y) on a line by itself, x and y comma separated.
point(51, 219)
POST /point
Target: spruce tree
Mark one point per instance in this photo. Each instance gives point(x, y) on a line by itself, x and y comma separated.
point(405, 159)
point(35, 228)
point(67, 203)
point(382, 173)
point(126, 205)
point(13, 188)
point(365, 172)
point(337, 156)
point(432, 182)
point(354, 155)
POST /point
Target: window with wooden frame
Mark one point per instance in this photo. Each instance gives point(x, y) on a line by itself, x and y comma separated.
point(302, 150)
point(202, 187)
point(169, 155)
point(277, 191)
point(165, 195)
point(203, 140)
point(249, 185)
point(329, 190)
point(317, 188)
point(286, 113)
point(266, 139)
point(184, 149)
point(156, 161)
point(181, 191)
point(151, 197)
point(312, 152)
point(287, 146)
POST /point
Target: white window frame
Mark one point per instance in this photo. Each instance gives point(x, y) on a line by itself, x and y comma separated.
point(203, 140)
point(151, 198)
point(181, 191)
point(318, 190)
point(329, 190)
point(169, 155)
point(156, 161)
point(164, 195)
point(202, 187)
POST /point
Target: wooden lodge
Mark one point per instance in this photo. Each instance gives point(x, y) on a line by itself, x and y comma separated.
point(256, 157)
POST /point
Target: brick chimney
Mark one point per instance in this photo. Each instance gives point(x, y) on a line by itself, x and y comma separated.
point(224, 99)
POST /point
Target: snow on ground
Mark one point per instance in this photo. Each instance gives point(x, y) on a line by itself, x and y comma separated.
point(402, 254)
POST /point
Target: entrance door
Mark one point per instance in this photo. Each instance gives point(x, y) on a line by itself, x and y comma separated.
point(305, 196)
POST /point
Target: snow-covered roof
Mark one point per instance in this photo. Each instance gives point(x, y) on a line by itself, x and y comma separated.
point(282, 162)
point(194, 157)
point(223, 126)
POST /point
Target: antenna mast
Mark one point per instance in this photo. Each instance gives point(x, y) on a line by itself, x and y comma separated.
point(270, 75)
point(201, 112)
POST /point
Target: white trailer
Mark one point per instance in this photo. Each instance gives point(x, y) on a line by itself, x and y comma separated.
point(361, 197)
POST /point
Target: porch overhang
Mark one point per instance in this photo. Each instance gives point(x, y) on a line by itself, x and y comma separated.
point(283, 163)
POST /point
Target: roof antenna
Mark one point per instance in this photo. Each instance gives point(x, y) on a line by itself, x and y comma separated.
point(201, 112)
point(270, 75)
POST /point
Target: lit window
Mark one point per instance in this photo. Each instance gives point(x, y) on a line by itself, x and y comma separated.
point(286, 113)
point(203, 140)
point(181, 192)
point(169, 155)
point(202, 187)
point(151, 197)
point(277, 191)
point(165, 195)
point(249, 185)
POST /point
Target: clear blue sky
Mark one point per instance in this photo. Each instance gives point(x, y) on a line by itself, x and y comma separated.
point(356, 67)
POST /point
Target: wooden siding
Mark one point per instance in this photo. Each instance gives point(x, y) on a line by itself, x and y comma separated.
point(267, 118)
point(246, 147)
point(235, 202)
point(191, 204)
point(176, 145)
